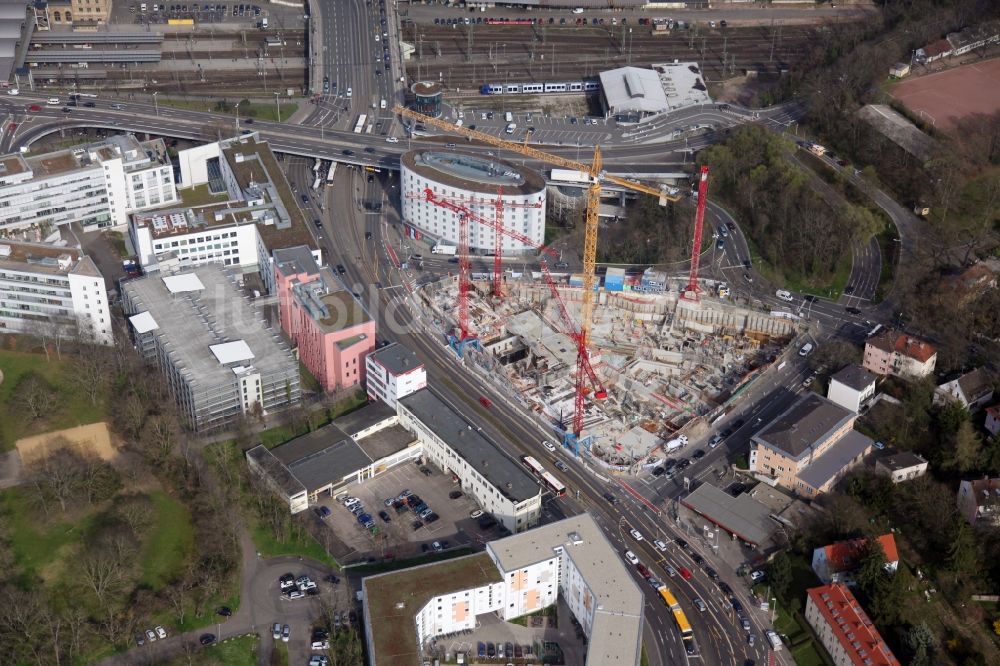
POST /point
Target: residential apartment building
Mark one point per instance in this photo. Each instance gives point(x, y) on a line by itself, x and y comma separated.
point(569, 559)
point(972, 391)
point(851, 387)
point(57, 288)
point(245, 173)
point(992, 423)
point(837, 562)
point(500, 485)
point(331, 329)
point(899, 354)
point(844, 629)
point(808, 447)
point(220, 358)
point(902, 466)
point(979, 501)
point(393, 372)
point(95, 185)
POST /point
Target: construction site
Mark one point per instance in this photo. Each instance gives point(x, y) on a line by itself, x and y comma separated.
point(627, 368)
point(666, 365)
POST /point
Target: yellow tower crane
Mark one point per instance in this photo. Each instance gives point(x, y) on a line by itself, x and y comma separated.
point(596, 176)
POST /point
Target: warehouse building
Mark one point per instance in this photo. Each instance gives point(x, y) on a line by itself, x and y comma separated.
point(499, 484)
point(631, 94)
point(472, 181)
point(220, 358)
point(354, 448)
point(521, 574)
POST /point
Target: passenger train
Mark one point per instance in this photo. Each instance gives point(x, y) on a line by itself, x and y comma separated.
point(538, 88)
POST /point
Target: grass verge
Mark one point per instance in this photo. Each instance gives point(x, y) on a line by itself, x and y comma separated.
point(300, 544)
point(241, 651)
point(261, 111)
point(37, 546)
point(199, 195)
point(169, 543)
point(394, 565)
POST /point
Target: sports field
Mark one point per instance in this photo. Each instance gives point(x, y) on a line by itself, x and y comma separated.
point(944, 97)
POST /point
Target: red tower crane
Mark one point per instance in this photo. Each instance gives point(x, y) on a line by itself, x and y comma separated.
point(498, 205)
point(584, 370)
point(693, 291)
point(464, 267)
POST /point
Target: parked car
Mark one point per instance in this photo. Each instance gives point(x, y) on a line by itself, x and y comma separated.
point(757, 575)
point(476, 514)
point(286, 632)
point(207, 639)
point(455, 494)
point(150, 635)
point(160, 631)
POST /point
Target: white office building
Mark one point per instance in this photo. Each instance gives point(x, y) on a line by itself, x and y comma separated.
point(220, 358)
point(499, 484)
point(57, 288)
point(95, 185)
point(257, 208)
point(473, 182)
point(518, 575)
point(393, 372)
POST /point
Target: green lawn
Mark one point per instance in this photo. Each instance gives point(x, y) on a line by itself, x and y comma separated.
point(74, 407)
point(240, 651)
point(35, 546)
point(168, 544)
point(307, 380)
point(305, 546)
point(199, 195)
point(117, 239)
point(262, 111)
point(279, 657)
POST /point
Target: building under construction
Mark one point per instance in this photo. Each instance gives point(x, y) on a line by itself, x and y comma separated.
point(669, 366)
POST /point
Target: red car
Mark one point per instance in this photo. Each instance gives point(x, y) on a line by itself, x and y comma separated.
point(34, 107)
point(12, 127)
point(485, 402)
point(644, 571)
point(685, 574)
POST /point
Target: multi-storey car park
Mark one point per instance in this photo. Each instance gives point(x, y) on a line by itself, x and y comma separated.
point(219, 357)
point(473, 181)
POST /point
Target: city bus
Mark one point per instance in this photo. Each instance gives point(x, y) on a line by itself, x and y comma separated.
point(359, 127)
point(675, 608)
point(317, 165)
point(330, 174)
point(548, 480)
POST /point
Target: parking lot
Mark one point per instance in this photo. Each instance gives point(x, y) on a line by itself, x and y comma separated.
point(505, 642)
point(199, 12)
point(401, 536)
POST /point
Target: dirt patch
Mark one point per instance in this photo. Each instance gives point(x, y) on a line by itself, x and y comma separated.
point(944, 97)
point(93, 438)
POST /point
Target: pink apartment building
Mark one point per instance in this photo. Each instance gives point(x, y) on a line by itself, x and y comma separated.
point(898, 354)
point(331, 329)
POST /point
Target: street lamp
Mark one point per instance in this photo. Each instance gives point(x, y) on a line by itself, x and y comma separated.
point(156, 107)
point(238, 117)
point(277, 102)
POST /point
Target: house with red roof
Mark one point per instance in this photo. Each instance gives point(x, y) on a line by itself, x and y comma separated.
point(844, 628)
point(836, 562)
point(899, 354)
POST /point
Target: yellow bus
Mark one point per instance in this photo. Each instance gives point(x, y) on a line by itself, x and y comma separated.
point(679, 617)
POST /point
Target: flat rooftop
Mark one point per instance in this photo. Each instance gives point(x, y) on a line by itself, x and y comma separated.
point(329, 303)
point(855, 377)
point(198, 308)
point(474, 172)
point(364, 417)
point(385, 442)
point(45, 258)
point(617, 629)
point(809, 420)
point(836, 458)
point(392, 601)
point(396, 358)
point(746, 518)
point(275, 470)
point(501, 471)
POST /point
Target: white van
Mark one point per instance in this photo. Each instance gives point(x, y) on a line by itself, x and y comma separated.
point(382, 104)
point(53, 101)
point(510, 128)
point(784, 295)
point(806, 349)
point(578, 10)
point(509, 117)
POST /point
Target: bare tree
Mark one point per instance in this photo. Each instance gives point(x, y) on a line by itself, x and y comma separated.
point(58, 477)
point(133, 415)
point(91, 370)
point(136, 511)
point(34, 396)
point(102, 570)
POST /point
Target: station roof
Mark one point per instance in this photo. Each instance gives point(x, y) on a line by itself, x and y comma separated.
point(743, 516)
